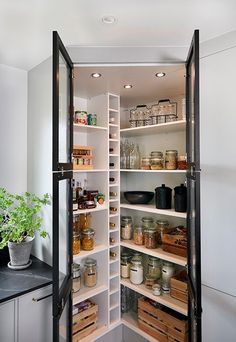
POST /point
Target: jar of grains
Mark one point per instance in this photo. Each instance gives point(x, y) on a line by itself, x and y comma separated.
point(76, 243)
point(88, 239)
point(136, 272)
point(154, 267)
point(126, 227)
point(138, 235)
point(150, 238)
point(90, 272)
point(76, 278)
point(145, 163)
point(161, 224)
point(171, 159)
point(125, 265)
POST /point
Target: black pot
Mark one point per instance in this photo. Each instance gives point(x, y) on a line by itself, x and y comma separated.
point(180, 198)
point(163, 197)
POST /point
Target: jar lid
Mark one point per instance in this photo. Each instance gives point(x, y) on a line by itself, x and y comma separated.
point(75, 267)
point(156, 153)
point(136, 261)
point(162, 222)
point(88, 231)
point(90, 262)
point(77, 111)
point(152, 258)
point(125, 255)
point(172, 151)
point(150, 277)
point(182, 158)
point(167, 263)
point(147, 219)
point(126, 218)
point(76, 234)
point(150, 230)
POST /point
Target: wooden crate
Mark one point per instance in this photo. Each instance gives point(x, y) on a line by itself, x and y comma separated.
point(174, 240)
point(179, 286)
point(163, 324)
point(84, 153)
point(84, 323)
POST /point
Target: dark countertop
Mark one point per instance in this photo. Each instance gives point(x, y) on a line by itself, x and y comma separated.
point(16, 283)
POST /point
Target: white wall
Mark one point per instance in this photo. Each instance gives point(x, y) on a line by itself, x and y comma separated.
point(13, 129)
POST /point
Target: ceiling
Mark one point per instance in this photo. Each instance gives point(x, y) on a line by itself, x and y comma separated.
point(26, 25)
point(114, 78)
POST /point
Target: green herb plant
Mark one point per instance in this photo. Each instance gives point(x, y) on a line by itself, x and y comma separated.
point(19, 216)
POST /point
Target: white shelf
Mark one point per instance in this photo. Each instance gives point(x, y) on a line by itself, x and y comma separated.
point(113, 110)
point(90, 171)
point(114, 275)
point(84, 254)
point(175, 126)
point(111, 292)
point(114, 215)
point(113, 125)
point(115, 140)
point(87, 292)
point(113, 199)
point(87, 128)
point(100, 331)
point(113, 230)
point(113, 184)
point(115, 245)
point(153, 171)
point(150, 208)
point(85, 211)
point(113, 261)
point(115, 170)
point(113, 155)
point(157, 252)
point(130, 320)
point(164, 299)
point(115, 306)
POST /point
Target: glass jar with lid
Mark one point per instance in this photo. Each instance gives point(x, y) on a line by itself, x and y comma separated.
point(171, 159)
point(161, 224)
point(148, 222)
point(150, 238)
point(138, 235)
point(137, 256)
point(154, 267)
point(136, 272)
point(76, 278)
point(76, 242)
point(145, 163)
point(88, 239)
point(168, 270)
point(157, 160)
point(84, 221)
point(125, 265)
point(90, 272)
point(126, 227)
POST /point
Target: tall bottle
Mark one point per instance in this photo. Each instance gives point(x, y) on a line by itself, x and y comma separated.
point(122, 156)
point(138, 157)
point(75, 202)
point(132, 157)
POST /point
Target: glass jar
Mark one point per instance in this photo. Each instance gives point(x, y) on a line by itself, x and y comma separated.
point(137, 256)
point(76, 243)
point(154, 267)
point(157, 160)
point(84, 221)
point(168, 270)
point(75, 223)
point(161, 224)
point(150, 238)
point(125, 299)
point(136, 272)
point(147, 222)
point(88, 239)
point(182, 164)
point(126, 227)
point(76, 278)
point(125, 265)
point(90, 272)
point(149, 281)
point(138, 234)
point(171, 159)
point(145, 163)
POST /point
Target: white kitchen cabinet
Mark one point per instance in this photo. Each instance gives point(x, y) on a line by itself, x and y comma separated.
point(7, 321)
point(35, 316)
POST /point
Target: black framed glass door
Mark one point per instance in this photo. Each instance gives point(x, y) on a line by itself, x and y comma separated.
point(62, 106)
point(62, 256)
point(193, 190)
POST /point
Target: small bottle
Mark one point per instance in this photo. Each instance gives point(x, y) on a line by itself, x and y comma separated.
point(111, 179)
point(111, 164)
point(75, 202)
point(111, 150)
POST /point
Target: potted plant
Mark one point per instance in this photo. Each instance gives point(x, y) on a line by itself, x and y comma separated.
point(19, 220)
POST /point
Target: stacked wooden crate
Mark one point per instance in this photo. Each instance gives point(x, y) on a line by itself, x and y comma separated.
point(85, 321)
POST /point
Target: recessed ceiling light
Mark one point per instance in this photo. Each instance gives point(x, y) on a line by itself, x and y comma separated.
point(160, 74)
point(109, 19)
point(96, 75)
point(128, 86)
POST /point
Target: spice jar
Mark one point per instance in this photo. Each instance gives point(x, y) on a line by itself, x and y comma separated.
point(136, 272)
point(182, 164)
point(150, 238)
point(171, 159)
point(90, 272)
point(138, 234)
point(88, 239)
point(161, 224)
point(156, 289)
point(157, 160)
point(126, 227)
point(154, 267)
point(76, 278)
point(125, 265)
point(149, 281)
point(145, 163)
point(168, 270)
point(76, 243)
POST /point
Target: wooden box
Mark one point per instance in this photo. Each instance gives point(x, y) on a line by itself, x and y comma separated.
point(179, 286)
point(82, 157)
point(163, 324)
point(174, 240)
point(85, 322)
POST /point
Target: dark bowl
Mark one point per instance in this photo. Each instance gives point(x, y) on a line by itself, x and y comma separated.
point(138, 197)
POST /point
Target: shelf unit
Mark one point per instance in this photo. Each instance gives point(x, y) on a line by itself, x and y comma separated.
point(150, 208)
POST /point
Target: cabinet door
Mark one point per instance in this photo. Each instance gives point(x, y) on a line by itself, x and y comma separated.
point(35, 316)
point(193, 186)
point(62, 106)
point(7, 321)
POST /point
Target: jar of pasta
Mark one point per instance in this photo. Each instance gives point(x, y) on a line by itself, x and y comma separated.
point(87, 240)
point(171, 159)
point(150, 238)
point(138, 235)
point(76, 243)
point(90, 272)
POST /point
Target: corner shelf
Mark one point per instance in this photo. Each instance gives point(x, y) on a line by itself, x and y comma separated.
point(150, 208)
point(87, 292)
point(87, 128)
point(84, 254)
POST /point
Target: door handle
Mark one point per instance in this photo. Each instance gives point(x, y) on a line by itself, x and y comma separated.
point(41, 298)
